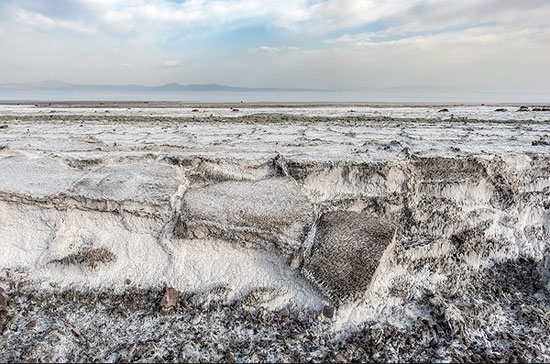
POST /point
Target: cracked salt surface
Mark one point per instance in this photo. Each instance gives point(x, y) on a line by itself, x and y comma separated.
point(89, 204)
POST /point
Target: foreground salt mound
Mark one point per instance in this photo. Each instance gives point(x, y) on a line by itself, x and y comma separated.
point(270, 213)
point(285, 226)
point(346, 252)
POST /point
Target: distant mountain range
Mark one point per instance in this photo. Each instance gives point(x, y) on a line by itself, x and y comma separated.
point(53, 85)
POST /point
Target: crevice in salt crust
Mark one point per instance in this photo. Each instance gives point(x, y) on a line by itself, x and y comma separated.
point(444, 219)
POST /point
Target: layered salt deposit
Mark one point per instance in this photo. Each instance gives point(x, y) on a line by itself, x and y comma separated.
point(359, 213)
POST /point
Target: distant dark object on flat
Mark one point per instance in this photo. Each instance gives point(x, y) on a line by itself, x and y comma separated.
point(501, 110)
point(444, 110)
point(195, 110)
point(541, 141)
point(523, 108)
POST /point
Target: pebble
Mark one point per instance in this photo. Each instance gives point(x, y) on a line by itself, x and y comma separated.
point(3, 300)
point(170, 299)
point(196, 319)
point(229, 357)
point(328, 311)
point(298, 335)
point(476, 358)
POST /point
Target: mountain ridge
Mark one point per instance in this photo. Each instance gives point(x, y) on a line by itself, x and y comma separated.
point(56, 85)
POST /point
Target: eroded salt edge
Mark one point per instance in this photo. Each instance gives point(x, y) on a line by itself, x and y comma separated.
point(262, 265)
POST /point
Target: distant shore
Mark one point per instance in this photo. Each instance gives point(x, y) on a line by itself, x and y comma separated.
point(185, 104)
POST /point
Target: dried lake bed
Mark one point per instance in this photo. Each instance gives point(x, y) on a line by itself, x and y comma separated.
point(303, 233)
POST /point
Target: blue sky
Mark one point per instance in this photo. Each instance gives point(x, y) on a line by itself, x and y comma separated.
point(328, 44)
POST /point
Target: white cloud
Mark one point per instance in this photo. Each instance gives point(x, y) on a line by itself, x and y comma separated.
point(45, 23)
point(272, 50)
point(169, 64)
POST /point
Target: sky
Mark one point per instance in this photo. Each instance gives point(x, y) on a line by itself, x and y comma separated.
point(485, 45)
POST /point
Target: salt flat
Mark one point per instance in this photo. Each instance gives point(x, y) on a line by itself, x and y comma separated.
point(262, 209)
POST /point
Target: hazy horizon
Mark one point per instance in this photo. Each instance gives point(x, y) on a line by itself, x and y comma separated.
point(481, 45)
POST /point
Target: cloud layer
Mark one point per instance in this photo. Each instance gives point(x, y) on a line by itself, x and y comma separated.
point(477, 44)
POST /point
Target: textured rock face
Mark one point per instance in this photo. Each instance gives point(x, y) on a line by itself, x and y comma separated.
point(267, 213)
point(347, 250)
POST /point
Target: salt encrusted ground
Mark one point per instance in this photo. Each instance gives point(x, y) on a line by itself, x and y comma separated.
point(101, 208)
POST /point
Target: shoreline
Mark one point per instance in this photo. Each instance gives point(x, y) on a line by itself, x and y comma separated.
point(186, 104)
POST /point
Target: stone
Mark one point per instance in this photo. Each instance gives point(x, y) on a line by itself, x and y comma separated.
point(476, 358)
point(501, 109)
point(346, 252)
point(444, 110)
point(170, 299)
point(229, 357)
point(328, 311)
point(4, 299)
point(523, 108)
point(31, 325)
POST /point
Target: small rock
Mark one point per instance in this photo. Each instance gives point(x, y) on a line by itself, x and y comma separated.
point(234, 109)
point(3, 300)
point(340, 358)
point(320, 318)
point(170, 299)
point(195, 110)
point(229, 357)
point(444, 110)
point(501, 109)
point(285, 313)
point(523, 108)
point(196, 319)
point(31, 325)
point(296, 262)
point(75, 332)
point(328, 311)
point(476, 358)
point(3, 126)
point(127, 281)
